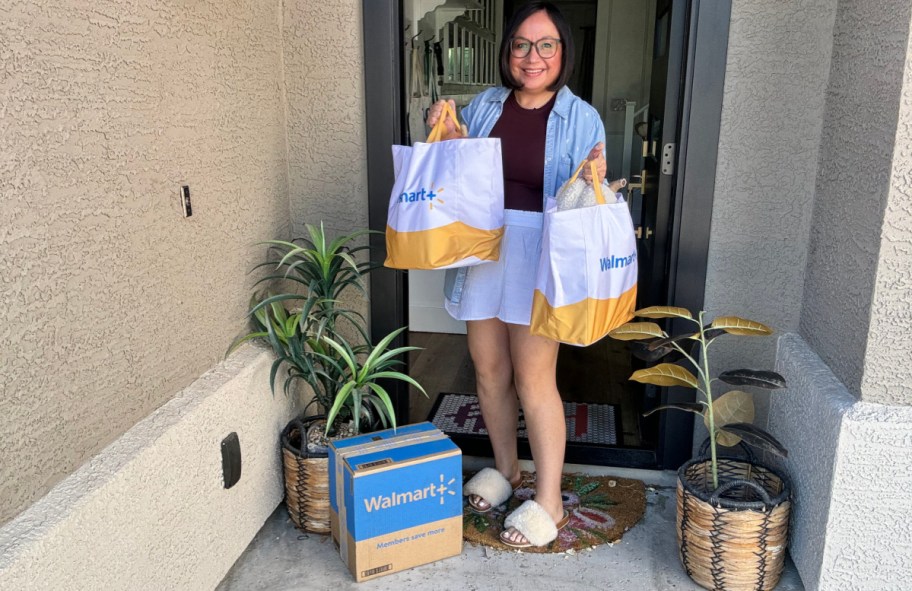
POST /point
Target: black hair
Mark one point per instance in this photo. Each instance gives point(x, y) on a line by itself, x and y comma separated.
point(563, 30)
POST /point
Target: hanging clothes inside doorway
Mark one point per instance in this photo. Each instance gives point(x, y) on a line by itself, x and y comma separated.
point(422, 85)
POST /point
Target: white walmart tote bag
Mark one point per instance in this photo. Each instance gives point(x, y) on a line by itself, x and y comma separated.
point(586, 283)
point(446, 207)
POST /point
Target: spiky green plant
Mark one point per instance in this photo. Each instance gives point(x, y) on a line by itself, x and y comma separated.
point(361, 372)
point(323, 270)
point(309, 341)
point(727, 416)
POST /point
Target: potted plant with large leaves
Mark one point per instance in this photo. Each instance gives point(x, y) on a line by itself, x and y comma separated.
point(321, 343)
point(733, 513)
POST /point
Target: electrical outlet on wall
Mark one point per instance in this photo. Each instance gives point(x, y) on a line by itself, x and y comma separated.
point(185, 201)
point(231, 460)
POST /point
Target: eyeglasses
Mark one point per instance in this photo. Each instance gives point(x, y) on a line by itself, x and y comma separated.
point(546, 47)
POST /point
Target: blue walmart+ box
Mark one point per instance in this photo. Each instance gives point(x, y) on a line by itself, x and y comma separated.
point(395, 499)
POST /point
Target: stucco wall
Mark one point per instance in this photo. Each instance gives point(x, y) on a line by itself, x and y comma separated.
point(854, 180)
point(811, 251)
point(869, 534)
point(324, 68)
point(887, 376)
point(150, 511)
point(813, 391)
point(113, 301)
point(324, 76)
point(772, 107)
point(850, 525)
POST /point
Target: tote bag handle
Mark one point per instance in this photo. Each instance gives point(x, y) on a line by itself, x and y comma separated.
point(599, 197)
point(440, 126)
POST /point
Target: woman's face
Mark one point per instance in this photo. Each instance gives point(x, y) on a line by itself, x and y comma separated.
point(533, 73)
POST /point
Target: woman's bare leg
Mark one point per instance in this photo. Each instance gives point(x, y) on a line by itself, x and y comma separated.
point(489, 346)
point(534, 361)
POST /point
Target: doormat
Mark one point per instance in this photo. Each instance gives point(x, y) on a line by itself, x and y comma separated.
point(459, 414)
point(601, 509)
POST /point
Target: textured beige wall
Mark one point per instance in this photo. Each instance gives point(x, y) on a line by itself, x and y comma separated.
point(324, 74)
point(151, 511)
point(855, 180)
point(113, 302)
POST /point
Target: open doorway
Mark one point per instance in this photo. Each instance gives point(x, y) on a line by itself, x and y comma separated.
point(628, 66)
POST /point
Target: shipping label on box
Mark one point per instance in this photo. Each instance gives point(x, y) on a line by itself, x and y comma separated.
point(398, 500)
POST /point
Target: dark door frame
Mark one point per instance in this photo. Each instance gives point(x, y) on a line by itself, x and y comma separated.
point(700, 103)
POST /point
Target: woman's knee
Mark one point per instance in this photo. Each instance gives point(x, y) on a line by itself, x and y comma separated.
point(536, 382)
point(489, 346)
point(536, 379)
point(493, 375)
point(540, 388)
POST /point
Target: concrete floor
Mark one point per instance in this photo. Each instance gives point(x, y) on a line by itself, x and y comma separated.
point(646, 558)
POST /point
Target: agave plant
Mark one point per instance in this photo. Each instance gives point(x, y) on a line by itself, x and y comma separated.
point(309, 341)
point(727, 416)
point(360, 385)
point(298, 341)
point(324, 270)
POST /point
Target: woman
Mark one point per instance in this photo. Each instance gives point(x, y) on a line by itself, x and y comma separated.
point(545, 132)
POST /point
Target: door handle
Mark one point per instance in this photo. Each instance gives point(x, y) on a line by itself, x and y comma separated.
point(649, 148)
point(639, 232)
point(641, 184)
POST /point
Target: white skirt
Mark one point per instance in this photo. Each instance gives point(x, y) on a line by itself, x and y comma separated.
point(503, 289)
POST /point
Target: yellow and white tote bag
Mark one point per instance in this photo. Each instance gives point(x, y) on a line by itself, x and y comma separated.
point(586, 283)
point(446, 207)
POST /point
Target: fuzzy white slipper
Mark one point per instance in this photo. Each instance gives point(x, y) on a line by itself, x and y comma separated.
point(533, 522)
point(490, 485)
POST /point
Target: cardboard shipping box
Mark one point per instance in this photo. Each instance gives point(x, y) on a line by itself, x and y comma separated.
point(395, 499)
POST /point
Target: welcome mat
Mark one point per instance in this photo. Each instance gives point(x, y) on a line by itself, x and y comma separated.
point(601, 509)
point(459, 414)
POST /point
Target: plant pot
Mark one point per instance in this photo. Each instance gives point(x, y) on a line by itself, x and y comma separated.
point(306, 477)
point(733, 538)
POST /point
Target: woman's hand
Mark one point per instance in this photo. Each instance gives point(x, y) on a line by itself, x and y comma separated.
point(597, 155)
point(452, 130)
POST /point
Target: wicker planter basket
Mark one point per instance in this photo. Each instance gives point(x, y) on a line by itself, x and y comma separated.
point(733, 538)
point(306, 479)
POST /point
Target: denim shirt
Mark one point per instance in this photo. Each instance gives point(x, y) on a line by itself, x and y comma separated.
point(574, 128)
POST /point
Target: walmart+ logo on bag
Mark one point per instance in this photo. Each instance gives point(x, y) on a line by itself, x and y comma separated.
point(613, 262)
point(423, 195)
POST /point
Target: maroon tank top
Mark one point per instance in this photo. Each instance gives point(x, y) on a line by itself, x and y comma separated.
point(522, 139)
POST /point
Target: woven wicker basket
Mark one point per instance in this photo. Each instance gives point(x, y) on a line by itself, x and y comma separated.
point(306, 479)
point(733, 538)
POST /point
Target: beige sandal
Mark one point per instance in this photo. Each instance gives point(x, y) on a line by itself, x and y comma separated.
point(534, 524)
point(489, 489)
